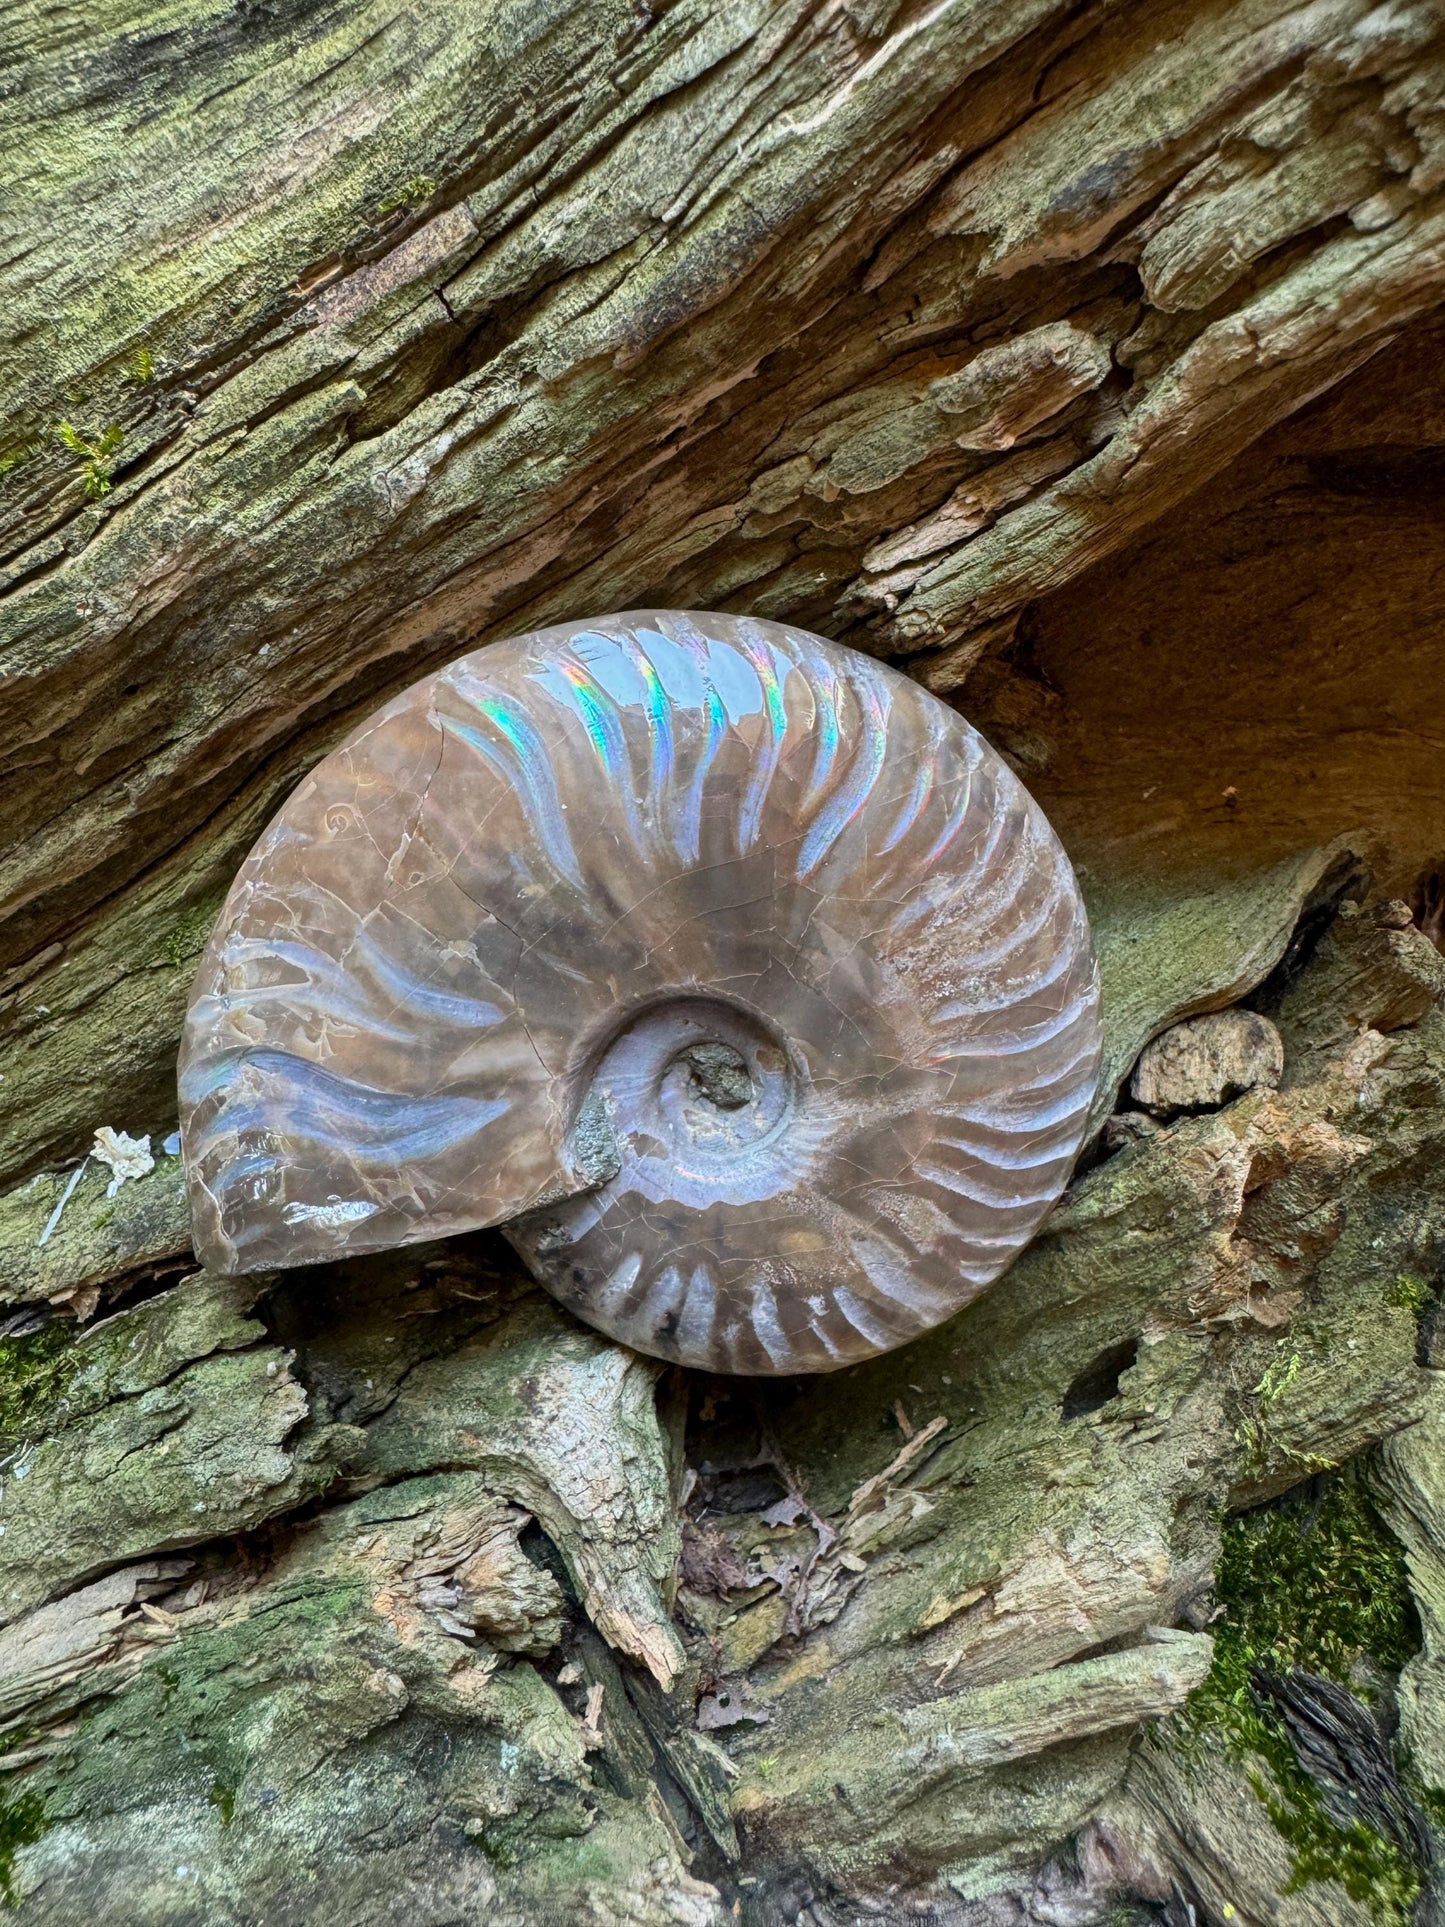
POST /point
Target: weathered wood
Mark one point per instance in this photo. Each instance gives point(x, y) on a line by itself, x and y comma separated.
point(1080, 357)
point(1201, 1064)
point(682, 317)
point(963, 1528)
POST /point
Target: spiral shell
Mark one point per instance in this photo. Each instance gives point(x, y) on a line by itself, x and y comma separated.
point(726, 968)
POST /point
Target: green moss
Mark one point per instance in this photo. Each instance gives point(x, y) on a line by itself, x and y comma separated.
point(1410, 1292)
point(1369, 1867)
point(187, 936)
point(34, 1370)
point(223, 1799)
point(22, 1822)
point(411, 193)
point(1256, 1433)
point(95, 454)
point(1316, 1583)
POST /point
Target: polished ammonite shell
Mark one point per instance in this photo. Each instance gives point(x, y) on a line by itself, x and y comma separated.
point(727, 969)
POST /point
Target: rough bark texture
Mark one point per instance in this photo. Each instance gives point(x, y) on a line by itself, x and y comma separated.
point(1082, 357)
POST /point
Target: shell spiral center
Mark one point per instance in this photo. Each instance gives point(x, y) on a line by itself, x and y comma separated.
point(698, 1094)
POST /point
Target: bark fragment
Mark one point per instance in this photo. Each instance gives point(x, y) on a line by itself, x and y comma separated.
point(1203, 1063)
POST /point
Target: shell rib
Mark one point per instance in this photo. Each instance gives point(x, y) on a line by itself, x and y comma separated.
point(726, 968)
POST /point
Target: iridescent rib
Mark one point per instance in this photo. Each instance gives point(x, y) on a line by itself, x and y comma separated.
point(766, 758)
point(528, 773)
point(845, 805)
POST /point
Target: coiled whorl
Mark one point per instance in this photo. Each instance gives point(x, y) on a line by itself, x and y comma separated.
point(726, 968)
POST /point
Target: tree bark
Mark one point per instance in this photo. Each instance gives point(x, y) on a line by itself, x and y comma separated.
point(1083, 358)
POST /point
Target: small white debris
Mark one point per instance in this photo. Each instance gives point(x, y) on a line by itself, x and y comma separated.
point(331, 1216)
point(172, 1145)
point(54, 1218)
point(128, 1157)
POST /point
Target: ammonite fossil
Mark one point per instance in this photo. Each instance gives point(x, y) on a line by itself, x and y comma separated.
point(726, 969)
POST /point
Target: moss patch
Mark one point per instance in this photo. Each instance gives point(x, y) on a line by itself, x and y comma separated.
point(34, 1369)
point(1316, 1583)
point(187, 936)
point(1256, 1432)
point(1411, 1292)
point(22, 1821)
point(97, 454)
point(411, 193)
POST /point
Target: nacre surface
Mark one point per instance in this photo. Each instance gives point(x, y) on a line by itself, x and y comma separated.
point(727, 969)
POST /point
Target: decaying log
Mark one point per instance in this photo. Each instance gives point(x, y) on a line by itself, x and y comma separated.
point(943, 1591)
point(1084, 360)
point(890, 322)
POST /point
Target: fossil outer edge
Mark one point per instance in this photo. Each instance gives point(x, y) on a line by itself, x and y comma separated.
point(727, 969)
